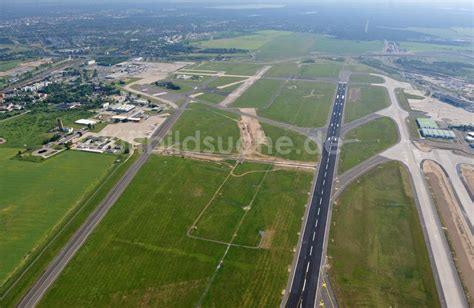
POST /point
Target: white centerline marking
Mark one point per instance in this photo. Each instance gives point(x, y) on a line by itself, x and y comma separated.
point(320, 201)
point(311, 251)
point(307, 266)
point(314, 234)
point(319, 210)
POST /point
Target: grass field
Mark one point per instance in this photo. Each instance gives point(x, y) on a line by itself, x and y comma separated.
point(34, 197)
point(301, 103)
point(251, 41)
point(204, 123)
point(32, 129)
point(364, 100)
point(365, 78)
point(140, 253)
point(231, 68)
point(8, 65)
point(304, 104)
point(217, 132)
point(287, 46)
point(325, 69)
point(418, 46)
point(330, 45)
point(260, 94)
point(377, 253)
point(297, 150)
point(366, 141)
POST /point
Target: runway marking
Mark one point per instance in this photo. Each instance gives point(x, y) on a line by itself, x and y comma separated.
point(316, 223)
point(322, 191)
point(314, 234)
point(325, 173)
point(307, 266)
point(319, 209)
point(324, 181)
point(311, 251)
point(320, 201)
point(304, 285)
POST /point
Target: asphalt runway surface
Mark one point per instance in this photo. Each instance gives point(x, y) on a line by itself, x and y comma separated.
point(305, 278)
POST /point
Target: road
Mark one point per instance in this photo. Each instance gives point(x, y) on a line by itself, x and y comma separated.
point(55, 268)
point(42, 75)
point(305, 278)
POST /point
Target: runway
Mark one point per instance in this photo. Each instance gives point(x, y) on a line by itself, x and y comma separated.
point(310, 256)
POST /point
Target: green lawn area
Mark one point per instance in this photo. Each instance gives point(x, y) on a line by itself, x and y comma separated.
point(301, 103)
point(35, 197)
point(8, 65)
point(231, 68)
point(364, 100)
point(360, 68)
point(366, 141)
point(260, 94)
point(217, 131)
point(287, 46)
point(211, 130)
point(210, 97)
point(325, 69)
point(301, 148)
point(252, 41)
point(403, 97)
point(377, 253)
point(141, 253)
point(331, 45)
point(365, 78)
point(32, 128)
point(418, 46)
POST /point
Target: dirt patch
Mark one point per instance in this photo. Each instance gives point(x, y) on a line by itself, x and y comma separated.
point(422, 147)
point(251, 133)
point(354, 95)
point(131, 131)
point(460, 238)
point(267, 238)
point(467, 176)
point(2, 141)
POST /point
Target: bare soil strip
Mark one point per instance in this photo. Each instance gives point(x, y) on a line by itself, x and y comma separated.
point(460, 238)
point(467, 176)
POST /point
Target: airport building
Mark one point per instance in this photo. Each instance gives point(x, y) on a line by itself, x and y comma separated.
point(424, 123)
point(437, 133)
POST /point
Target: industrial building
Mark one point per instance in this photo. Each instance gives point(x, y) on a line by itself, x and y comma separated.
point(424, 123)
point(122, 108)
point(437, 133)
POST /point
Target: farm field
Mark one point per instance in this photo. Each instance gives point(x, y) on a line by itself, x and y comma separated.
point(377, 253)
point(32, 129)
point(365, 78)
point(364, 100)
point(366, 141)
point(118, 265)
point(35, 197)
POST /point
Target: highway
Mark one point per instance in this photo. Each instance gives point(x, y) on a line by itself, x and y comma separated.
point(305, 277)
point(58, 264)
